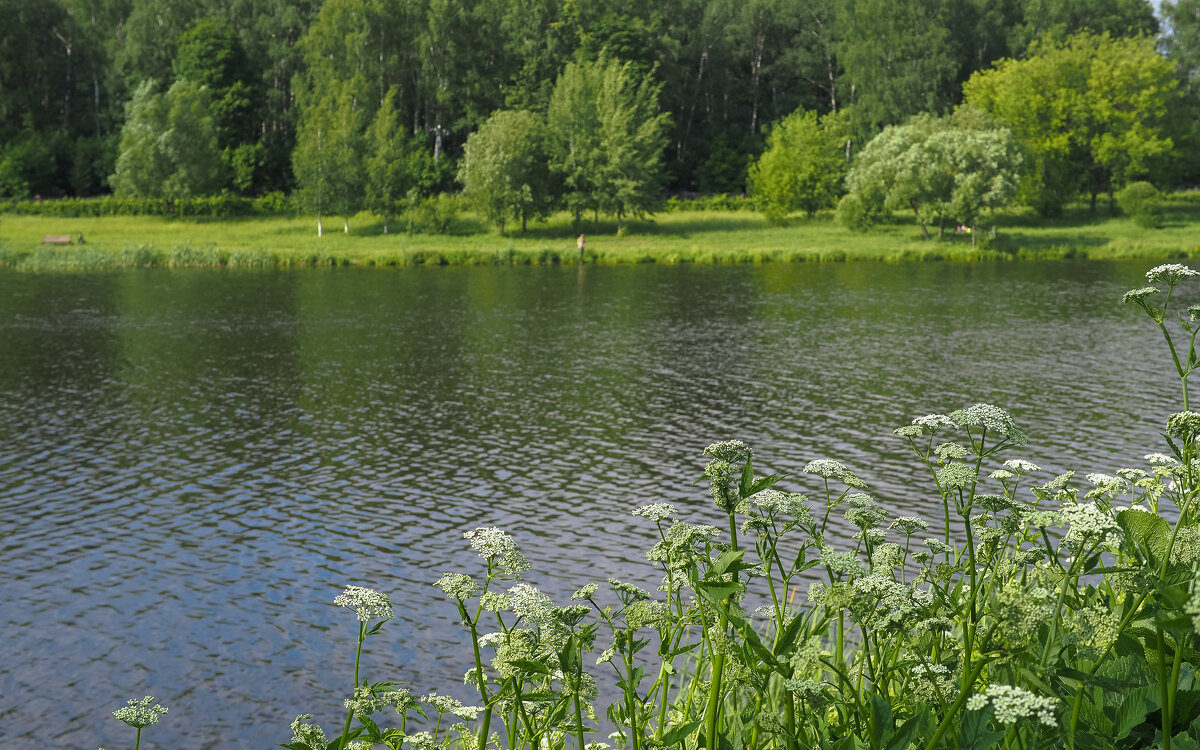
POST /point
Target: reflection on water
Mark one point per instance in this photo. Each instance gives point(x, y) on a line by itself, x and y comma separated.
point(192, 465)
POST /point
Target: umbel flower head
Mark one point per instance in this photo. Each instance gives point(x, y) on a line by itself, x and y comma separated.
point(1013, 704)
point(140, 714)
point(1185, 424)
point(991, 418)
point(1171, 274)
point(495, 545)
point(366, 603)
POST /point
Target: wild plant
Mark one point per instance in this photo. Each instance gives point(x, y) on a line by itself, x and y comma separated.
point(1046, 611)
point(139, 715)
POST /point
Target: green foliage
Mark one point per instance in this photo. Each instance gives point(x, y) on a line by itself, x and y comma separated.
point(504, 171)
point(605, 138)
point(399, 168)
point(943, 169)
point(899, 59)
point(328, 156)
point(801, 169)
point(168, 147)
point(1140, 200)
point(1090, 112)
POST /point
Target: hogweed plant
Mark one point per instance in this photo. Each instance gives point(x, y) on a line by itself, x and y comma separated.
point(1038, 612)
point(139, 715)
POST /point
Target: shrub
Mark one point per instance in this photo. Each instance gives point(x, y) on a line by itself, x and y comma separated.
point(1140, 200)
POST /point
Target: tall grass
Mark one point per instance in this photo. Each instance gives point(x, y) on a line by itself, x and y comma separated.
point(710, 237)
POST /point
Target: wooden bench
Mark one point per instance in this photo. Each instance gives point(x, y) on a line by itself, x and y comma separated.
point(57, 239)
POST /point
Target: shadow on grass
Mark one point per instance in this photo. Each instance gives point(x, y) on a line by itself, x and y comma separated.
point(1051, 246)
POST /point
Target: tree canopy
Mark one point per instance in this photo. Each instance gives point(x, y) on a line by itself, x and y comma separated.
point(1090, 111)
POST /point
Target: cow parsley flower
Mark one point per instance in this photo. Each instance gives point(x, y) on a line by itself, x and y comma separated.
point(957, 476)
point(366, 603)
point(1171, 274)
point(457, 585)
point(531, 604)
point(731, 451)
point(139, 714)
point(909, 525)
point(1184, 424)
point(933, 683)
point(827, 468)
point(1011, 704)
point(1085, 521)
point(991, 418)
point(585, 592)
point(951, 452)
point(308, 735)
point(908, 431)
point(1020, 466)
point(656, 512)
point(445, 704)
point(1139, 296)
point(628, 590)
point(934, 422)
point(842, 563)
point(1001, 474)
point(495, 545)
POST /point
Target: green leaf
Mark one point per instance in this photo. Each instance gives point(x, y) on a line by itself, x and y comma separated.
point(717, 592)
point(1148, 532)
point(729, 561)
point(1135, 707)
point(973, 731)
point(882, 724)
point(679, 733)
point(908, 731)
point(529, 665)
point(747, 479)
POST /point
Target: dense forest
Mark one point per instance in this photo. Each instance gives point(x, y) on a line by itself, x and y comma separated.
point(418, 77)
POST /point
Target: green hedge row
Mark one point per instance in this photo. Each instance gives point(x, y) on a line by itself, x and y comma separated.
point(272, 204)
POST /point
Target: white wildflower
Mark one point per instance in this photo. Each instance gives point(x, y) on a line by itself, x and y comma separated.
point(140, 714)
point(1021, 466)
point(367, 603)
point(1170, 274)
point(1011, 704)
point(656, 512)
point(991, 418)
point(457, 585)
point(495, 545)
point(308, 735)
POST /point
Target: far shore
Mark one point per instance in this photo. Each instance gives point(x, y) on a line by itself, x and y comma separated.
point(701, 237)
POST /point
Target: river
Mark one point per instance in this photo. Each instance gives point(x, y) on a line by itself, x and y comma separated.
point(194, 463)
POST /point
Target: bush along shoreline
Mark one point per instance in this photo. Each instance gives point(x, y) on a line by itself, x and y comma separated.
point(1031, 611)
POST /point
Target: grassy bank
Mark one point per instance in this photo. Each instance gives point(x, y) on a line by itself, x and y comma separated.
point(678, 237)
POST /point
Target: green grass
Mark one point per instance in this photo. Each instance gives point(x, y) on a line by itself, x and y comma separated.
point(680, 237)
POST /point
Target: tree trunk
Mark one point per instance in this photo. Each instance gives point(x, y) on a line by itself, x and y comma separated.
point(942, 228)
point(385, 223)
point(973, 228)
point(618, 223)
point(523, 222)
point(346, 224)
point(320, 229)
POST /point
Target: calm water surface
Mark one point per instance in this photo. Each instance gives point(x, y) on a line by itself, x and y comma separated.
point(193, 464)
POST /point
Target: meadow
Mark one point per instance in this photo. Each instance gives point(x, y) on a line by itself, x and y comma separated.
point(682, 236)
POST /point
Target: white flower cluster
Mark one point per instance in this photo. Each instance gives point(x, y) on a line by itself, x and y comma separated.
point(140, 714)
point(308, 735)
point(1021, 466)
point(445, 704)
point(930, 422)
point(457, 585)
point(366, 603)
point(1138, 296)
point(842, 563)
point(771, 502)
point(730, 450)
point(1085, 521)
point(1170, 274)
point(1184, 424)
point(951, 452)
point(493, 544)
point(828, 468)
point(933, 683)
point(991, 418)
point(956, 476)
point(1011, 704)
point(655, 512)
point(880, 601)
point(909, 525)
